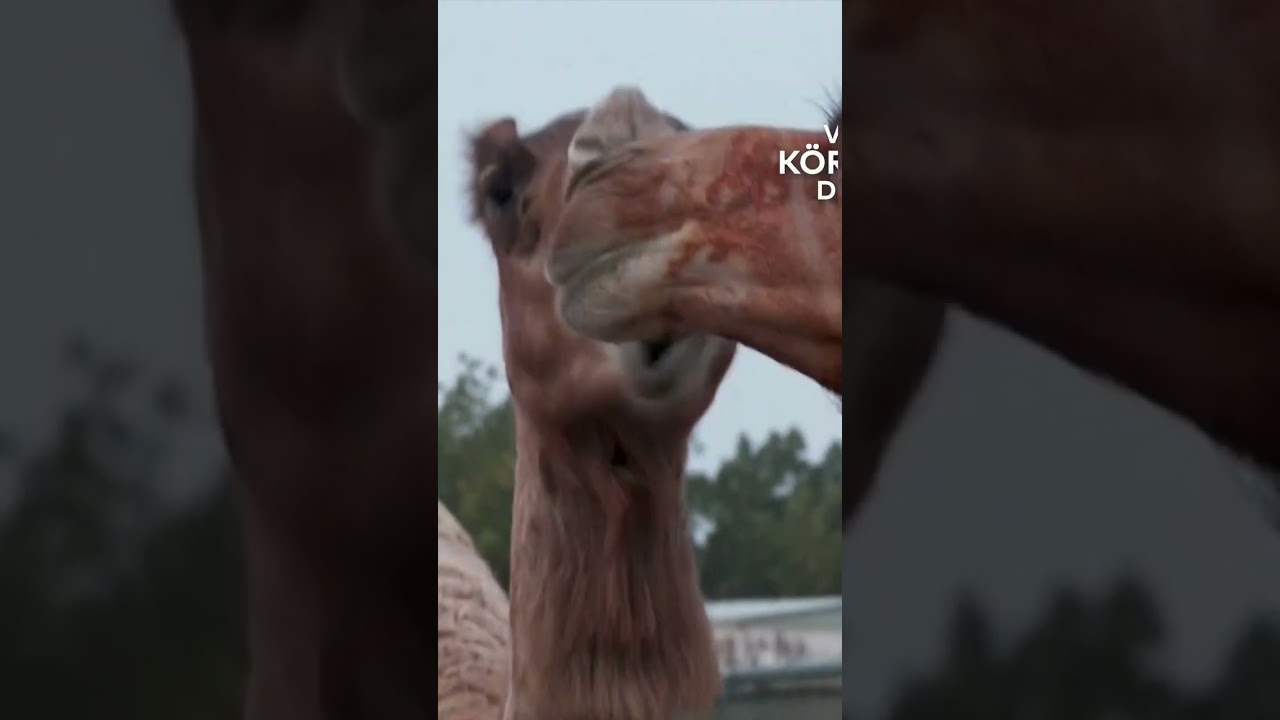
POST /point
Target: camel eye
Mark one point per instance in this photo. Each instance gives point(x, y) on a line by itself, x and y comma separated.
point(500, 193)
point(498, 185)
point(505, 180)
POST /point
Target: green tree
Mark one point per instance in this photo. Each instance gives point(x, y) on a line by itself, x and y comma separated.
point(811, 532)
point(476, 466)
point(775, 521)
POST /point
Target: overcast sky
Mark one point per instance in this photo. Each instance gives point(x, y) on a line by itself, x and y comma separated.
point(1015, 472)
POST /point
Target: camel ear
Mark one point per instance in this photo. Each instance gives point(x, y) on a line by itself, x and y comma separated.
point(488, 145)
point(500, 165)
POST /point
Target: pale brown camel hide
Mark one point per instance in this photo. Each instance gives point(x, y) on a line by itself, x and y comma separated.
point(473, 638)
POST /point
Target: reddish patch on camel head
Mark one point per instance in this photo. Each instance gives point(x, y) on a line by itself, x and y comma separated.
point(701, 231)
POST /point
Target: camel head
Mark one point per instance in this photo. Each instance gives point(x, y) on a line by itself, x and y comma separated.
point(518, 189)
point(700, 232)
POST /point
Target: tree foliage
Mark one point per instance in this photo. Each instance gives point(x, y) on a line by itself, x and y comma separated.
point(775, 521)
point(477, 461)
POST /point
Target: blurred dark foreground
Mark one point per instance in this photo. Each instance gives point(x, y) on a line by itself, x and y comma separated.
point(120, 600)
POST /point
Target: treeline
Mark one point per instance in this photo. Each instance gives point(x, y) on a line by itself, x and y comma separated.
point(118, 601)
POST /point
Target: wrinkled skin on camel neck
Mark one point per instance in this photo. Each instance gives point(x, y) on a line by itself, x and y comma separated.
point(1099, 177)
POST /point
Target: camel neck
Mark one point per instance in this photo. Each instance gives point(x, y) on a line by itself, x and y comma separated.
point(607, 618)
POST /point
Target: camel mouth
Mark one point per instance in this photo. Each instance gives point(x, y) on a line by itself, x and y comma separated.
point(591, 287)
point(655, 351)
point(615, 292)
point(573, 267)
point(668, 367)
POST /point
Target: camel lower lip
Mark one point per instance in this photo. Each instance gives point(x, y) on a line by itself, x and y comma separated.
point(568, 268)
point(656, 377)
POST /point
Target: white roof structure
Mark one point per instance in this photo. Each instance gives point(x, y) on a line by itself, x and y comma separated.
point(755, 611)
point(755, 636)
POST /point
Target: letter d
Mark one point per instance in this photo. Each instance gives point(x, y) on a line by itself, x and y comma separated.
point(827, 185)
